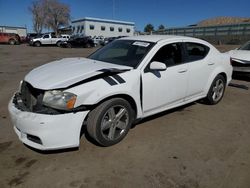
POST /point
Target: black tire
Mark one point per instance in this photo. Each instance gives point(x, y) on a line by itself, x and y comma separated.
point(37, 44)
point(216, 91)
point(58, 43)
point(87, 45)
point(110, 122)
point(12, 42)
point(68, 45)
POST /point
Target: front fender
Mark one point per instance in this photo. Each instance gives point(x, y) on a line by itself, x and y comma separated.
point(93, 92)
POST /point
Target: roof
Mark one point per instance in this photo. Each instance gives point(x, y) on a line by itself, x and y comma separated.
point(12, 27)
point(155, 38)
point(103, 21)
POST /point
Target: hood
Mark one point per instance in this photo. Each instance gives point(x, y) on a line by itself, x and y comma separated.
point(68, 71)
point(243, 55)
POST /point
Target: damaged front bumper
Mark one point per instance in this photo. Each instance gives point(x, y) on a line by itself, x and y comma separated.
point(47, 131)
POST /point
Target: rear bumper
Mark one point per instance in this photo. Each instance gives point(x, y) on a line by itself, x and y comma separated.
point(47, 132)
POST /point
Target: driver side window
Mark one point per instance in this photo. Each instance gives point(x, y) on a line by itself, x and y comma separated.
point(46, 36)
point(169, 54)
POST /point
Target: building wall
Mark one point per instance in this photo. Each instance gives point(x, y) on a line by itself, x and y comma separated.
point(22, 32)
point(104, 28)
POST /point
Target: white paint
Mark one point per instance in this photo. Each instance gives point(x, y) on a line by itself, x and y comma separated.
point(161, 90)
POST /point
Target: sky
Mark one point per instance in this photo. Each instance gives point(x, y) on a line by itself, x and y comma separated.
point(174, 13)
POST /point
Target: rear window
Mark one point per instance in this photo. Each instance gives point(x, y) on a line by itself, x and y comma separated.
point(196, 51)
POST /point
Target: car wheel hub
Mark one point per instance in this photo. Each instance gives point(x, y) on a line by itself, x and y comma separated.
point(114, 122)
point(218, 90)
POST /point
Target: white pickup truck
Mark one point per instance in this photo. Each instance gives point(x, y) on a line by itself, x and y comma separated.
point(47, 39)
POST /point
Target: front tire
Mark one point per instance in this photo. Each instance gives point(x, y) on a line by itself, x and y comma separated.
point(58, 43)
point(87, 45)
point(68, 45)
point(216, 90)
point(110, 122)
point(37, 44)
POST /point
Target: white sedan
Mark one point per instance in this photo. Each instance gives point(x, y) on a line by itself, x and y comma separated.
point(240, 59)
point(127, 80)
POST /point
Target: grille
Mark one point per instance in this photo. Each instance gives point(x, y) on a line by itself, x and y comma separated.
point(31, 97)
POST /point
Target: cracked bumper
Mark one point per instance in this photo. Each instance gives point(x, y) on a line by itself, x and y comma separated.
point(47, 132)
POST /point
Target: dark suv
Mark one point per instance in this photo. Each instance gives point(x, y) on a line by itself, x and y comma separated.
point(78, 41)
point(10, 38)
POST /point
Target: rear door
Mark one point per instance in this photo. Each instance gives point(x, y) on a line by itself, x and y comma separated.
point(54, 39)
point(199, 68)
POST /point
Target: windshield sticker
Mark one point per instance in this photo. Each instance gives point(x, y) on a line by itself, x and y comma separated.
point(143, 44)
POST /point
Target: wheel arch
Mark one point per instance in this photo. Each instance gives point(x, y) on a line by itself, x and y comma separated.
point(215, 73)
point(123, 96)
point(38, 41)
point(224, 75)
point(126, 97)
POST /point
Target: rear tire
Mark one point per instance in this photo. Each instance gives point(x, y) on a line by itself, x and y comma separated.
point(216, 91)
point(110, 122)
point(12, 41)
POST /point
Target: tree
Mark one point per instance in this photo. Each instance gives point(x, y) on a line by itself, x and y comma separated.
point(37, 11)
point(161, 27)
point(149, 28)
point(57, 14)
point(49, 13)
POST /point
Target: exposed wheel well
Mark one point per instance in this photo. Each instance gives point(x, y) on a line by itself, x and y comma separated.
point(224, 75)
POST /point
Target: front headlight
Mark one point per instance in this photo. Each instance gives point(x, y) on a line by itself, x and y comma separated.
point(59, 99)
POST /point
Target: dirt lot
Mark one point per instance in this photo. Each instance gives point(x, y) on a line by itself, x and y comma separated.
point(194, 146)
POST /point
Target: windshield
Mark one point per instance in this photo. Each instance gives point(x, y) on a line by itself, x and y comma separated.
point(245, 46)
point(123, 52)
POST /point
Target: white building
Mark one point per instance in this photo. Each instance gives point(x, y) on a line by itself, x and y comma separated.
point(21, 31)
point(102, 27)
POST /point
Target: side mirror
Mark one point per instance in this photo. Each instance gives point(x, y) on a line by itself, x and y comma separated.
point(157, 66)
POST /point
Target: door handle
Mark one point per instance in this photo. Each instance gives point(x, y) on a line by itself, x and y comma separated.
point(182, 70)
point(210, 63)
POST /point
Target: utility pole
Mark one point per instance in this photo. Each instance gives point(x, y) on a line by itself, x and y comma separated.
point(113, 16)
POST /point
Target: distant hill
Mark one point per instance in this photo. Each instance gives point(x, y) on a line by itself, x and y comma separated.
point(222, 21)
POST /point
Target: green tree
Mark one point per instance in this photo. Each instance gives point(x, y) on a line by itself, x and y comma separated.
point(149, 28)
point(161, 27)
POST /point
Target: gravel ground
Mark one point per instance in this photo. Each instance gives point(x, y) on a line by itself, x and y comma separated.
point(189, 147)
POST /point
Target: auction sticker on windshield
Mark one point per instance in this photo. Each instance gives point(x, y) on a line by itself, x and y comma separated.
point(143, 44)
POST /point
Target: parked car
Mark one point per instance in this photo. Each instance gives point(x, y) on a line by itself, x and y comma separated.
point(85, 42)
point(65, 36)
point(109, 39)
point(98, 40)
point(240, 59)
point(10, 38)
point(126, 80)
point(32, 36)
point(47, 39)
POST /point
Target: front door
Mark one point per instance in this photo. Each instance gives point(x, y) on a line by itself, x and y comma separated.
point(167, 88)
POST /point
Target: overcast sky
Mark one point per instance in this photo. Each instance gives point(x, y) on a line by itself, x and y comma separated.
point(169, 13)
